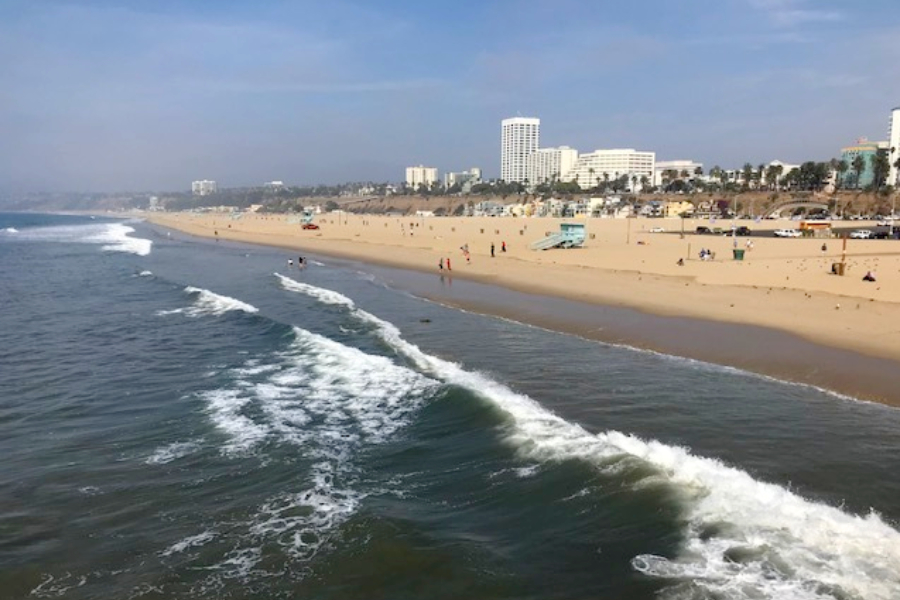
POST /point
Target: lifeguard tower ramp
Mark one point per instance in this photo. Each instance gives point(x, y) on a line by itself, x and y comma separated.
point(571, 235)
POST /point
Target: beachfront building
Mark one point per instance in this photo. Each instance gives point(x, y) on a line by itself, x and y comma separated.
point(609, 165)
point(861, 178)
point(464, 179)
point(667, 171)
point(416, 176)
point(676, 208)
point(204, 187)
point(894, 147)
point(519, 138)
point(550, 164)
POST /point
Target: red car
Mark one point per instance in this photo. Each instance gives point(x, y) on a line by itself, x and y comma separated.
point(310, 226)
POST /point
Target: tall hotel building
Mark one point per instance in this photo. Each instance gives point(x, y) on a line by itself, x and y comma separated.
point(520, 138)
point(894, 146)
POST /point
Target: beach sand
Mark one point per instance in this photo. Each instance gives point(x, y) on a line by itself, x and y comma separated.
point(782, 284)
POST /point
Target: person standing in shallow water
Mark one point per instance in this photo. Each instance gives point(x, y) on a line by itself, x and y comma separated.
point(492, 250)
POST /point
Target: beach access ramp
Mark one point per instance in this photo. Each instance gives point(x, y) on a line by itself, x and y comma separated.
point(571, 235)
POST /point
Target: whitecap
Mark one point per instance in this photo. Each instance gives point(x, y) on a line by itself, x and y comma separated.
point(170, 452)
point(189, 542)
point(208, 303)
point(744, 538)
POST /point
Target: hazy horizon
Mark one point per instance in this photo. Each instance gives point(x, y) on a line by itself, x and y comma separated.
point(112, 95)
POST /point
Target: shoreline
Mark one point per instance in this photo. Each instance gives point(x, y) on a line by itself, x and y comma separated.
point(666, 297)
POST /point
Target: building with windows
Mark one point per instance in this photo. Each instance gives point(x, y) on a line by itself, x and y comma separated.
point(894, 146)
point(520, 137)
point(867, 151)
point(549, 164)
point(204, 187)
point(608, 165)
point(466, 179)
point(669, 170)
point(416, 176)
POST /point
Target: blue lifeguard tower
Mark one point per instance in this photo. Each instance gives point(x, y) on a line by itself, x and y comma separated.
point(571, 235)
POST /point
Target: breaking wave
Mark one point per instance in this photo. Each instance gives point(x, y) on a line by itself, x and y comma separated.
point(744, 538)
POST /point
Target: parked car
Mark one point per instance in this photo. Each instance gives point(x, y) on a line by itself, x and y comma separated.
point(310, 226)
point(702, 230)
point(657, 230)
point(743, 230)
point(787, 233)
point(861, 234)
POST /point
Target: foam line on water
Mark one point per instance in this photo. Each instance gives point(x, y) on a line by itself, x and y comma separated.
point(11, 230)
point(209, 303)
point(171, 452)
point(745, 538)
point(330, 401)
point(113, 237)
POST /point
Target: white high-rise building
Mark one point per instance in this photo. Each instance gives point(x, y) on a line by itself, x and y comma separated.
point(415, 176)
point(549, 164)
point(463, 178)
point(609, 165)
point(520, 137)
point(894, 146)
point(203, 188)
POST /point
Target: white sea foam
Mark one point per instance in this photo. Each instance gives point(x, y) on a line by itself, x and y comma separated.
point(209, 304)
point(115, 238)
point(146, 274)
point(744, 538)
point(328, 399)
point(11, 230)
point(189, 542)
point(174, 451)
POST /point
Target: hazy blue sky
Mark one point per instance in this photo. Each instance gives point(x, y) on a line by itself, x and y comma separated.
point(142, 95)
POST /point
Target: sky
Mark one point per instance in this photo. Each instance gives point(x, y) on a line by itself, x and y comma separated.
point(122, 95)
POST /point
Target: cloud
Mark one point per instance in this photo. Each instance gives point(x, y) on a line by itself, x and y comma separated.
point(792, 13)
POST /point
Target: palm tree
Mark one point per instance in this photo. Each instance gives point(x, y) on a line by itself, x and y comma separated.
point(747, 174)
point(859, 165)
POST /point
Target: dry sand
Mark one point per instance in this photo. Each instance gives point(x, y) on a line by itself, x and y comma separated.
point(783, 284)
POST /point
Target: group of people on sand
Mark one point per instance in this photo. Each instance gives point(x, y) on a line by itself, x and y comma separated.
point(468, 255)
point(706, 254)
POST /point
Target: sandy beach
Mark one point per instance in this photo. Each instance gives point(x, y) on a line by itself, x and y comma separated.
point(782, 284)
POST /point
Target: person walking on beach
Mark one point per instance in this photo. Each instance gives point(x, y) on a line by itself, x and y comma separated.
point(441, 265)
point(492, 249)
point(502, 246)
point(448, 264)
point(824, 248)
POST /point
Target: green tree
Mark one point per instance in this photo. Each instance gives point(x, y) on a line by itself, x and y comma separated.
point(859, 165)
point(881, 166)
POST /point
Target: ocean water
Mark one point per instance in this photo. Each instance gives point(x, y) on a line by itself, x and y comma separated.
point(182, 418)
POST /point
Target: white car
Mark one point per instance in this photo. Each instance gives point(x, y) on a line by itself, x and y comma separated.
point(861, 234)
point(657, 230)
point(787, 233)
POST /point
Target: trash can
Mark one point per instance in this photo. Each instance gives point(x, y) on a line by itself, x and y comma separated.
point(837, 268)
point(738, 253)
